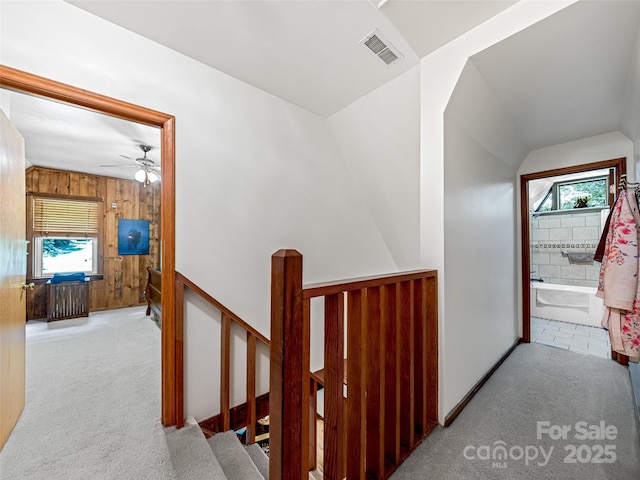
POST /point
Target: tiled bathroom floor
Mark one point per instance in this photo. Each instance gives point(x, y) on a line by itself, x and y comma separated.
point(576, 338)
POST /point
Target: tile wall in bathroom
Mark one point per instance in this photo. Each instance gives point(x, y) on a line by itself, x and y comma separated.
point(552, 234)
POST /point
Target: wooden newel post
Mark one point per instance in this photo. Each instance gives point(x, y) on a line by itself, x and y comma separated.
point(289, 384)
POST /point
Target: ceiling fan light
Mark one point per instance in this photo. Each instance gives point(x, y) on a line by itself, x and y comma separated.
point(152, 176)
point(140, 175)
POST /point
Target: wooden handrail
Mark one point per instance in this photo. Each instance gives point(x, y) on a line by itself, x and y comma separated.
point(391, 330)
point(212, 301)
point(226, 319)
point(224, 420)
point(330, 288)
point(390, 322)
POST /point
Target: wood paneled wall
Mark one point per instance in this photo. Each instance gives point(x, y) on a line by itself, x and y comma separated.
point(124, 276)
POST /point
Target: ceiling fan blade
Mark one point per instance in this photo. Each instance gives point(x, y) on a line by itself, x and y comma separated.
point(121, 166)
point(124, 156)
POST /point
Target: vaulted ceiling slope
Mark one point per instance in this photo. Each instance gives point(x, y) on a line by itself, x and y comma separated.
point(306, 52)
point(570, 76)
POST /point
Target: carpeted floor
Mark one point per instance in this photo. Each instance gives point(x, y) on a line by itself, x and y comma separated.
point(535, 384)
point(92, 402)
point(93, 407)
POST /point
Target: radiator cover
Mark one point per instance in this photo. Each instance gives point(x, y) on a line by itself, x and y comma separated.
point(67, 300)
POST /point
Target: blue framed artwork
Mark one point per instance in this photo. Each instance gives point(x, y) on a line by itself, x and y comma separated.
point(133, 237)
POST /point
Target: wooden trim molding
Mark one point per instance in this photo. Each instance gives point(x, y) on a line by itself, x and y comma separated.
point(618, 163)
point(18, 80)
point(467, 398)
point(172, 377)
point(25, 82)
point(525, 260)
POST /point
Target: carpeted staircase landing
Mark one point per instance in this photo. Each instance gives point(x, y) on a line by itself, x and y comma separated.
point(221, 457)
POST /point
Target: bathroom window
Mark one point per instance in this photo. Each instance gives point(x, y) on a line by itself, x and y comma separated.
point(547, 204)
point(590, 192)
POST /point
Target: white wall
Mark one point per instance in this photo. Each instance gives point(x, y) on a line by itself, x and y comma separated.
point(586, 150)
point(202, 398)
point(439, 73)
point(482, 151)
point(253, 172)
point(630, 118)
point(379, 137)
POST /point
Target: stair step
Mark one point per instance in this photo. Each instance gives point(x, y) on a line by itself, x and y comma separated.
point(191, 456)
point(234, 459)
point(259, 458)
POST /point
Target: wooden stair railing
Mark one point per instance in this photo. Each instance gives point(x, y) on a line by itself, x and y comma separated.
point(392, 364)
point(253, 337)
point(255, 407)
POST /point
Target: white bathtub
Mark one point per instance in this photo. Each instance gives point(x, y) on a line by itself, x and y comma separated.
point(566, 303)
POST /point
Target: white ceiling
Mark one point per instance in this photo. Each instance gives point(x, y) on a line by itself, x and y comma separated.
point(71, 138)
point(568, 76)
point(428, 25)
point(563, 78)
point(306, 52)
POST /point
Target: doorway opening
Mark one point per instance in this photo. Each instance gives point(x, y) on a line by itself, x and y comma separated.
point(24, 82)
point(563, 213)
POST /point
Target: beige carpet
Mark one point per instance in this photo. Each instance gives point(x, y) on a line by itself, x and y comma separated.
point(92, 402)
point(557, 388)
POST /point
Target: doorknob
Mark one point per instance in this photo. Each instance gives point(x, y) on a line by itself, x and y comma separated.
point(28, 286)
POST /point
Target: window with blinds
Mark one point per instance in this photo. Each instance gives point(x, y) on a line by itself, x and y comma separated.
point(65, 234)
point(56, 216)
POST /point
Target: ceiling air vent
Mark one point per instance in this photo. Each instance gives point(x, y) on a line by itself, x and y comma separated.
point(381, 47)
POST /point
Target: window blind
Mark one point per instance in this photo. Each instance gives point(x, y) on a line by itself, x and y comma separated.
point(55, 216)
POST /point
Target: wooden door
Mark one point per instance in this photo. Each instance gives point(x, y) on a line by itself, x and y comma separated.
point(13, 262)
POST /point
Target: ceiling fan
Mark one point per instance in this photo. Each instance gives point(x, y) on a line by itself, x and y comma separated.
point(147, 172)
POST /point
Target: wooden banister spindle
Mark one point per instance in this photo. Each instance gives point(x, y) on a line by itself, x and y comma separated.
point(251, 389)
point(313, 418)
point(356, 384)
point(431, 347)
point(179, 352)
point(225, 371)
point(313, 397)
point(406, 369)
point(334, 439)
point(392, 374)
point(375, 400)
point(425, 356)
point(289, 384)
point(420, 386)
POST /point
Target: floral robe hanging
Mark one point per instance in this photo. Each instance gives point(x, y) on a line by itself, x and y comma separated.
point(618, 284)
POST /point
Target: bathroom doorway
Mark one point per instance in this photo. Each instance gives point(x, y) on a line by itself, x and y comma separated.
point(563, 213)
